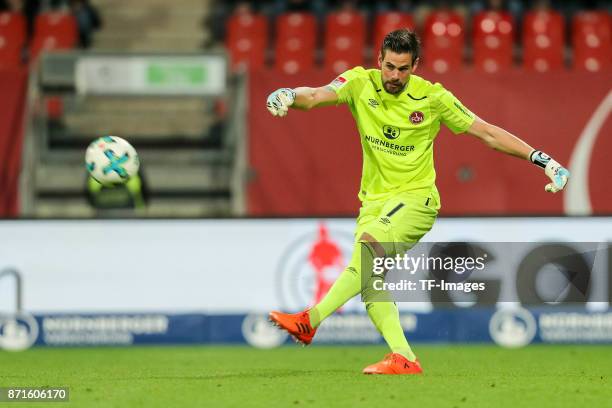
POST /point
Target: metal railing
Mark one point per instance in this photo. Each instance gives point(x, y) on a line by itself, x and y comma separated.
point(8, 272)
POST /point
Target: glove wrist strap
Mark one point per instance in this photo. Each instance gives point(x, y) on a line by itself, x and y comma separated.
point(539, 158)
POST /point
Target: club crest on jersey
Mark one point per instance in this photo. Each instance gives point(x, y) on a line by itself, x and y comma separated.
point(416, 117)
point(338, 82)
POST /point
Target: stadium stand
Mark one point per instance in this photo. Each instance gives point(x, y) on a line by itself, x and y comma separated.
point(543, 41)
point(178, 137)
point(384, 23)
point(160, 26)
point(493, 40)
point(591, 40)
point(183, 133)
point(444, 41)
point(296, 35)
point(247, 39)
point(344, 40)
point(12, 38)
point(54, 31)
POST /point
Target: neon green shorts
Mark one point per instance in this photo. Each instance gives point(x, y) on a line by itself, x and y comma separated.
point(402, 219)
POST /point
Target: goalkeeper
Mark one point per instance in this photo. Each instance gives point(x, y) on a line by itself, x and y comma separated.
point(398, 116)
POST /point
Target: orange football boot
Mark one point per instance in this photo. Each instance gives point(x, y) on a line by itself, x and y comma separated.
point(297, 325)
point(394, 363)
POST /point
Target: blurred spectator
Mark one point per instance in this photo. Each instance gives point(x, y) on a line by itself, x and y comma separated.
point(514, 7)
point(14, 6)
point(496, 5)
point(404, 6)
point(450, 6)
point(297, 5)
point(222, 11)
point(244, 7)
point(541, 5)
point(88, 20)
point(318, 7)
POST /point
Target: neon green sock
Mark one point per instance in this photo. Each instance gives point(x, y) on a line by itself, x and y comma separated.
point(385, 317)
point(346, 287)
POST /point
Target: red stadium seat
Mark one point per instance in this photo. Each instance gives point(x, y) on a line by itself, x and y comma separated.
point(543, 41)
point(344, 40)
point(295, 42)
point(592, 41)
point(54, 31)
point(12, 38)
point(493, 41)
point(443, 41)
point(246, 39)
point(384, 23)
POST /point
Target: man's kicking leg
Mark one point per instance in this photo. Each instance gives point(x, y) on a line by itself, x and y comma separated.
point(382, 310)
point(409, 225)
point(302, 326)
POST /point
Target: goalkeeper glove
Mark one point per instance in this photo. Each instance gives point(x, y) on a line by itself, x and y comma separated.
point(557, 173)
point(280, 100)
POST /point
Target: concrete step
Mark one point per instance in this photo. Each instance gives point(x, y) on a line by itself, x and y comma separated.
point(157, 44)
point(138, 104)
point(140, 20)
point(78, 207)
point(167, 179)
point(162, 124)
point(155, 35)
point(160, 156)
point(178, 26)
point(178, 4)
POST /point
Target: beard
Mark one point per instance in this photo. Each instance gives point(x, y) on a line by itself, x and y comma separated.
point(393, 87)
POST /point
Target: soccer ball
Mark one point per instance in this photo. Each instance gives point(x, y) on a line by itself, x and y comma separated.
point(111, 160)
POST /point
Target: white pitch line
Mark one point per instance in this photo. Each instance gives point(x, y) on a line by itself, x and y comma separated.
point(576, 199)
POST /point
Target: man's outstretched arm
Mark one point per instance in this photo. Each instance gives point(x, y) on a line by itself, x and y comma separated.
point(503, 141)
point(303, 98)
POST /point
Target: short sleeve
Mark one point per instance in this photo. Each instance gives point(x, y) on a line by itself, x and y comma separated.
point(452, 112)
point(348, 84)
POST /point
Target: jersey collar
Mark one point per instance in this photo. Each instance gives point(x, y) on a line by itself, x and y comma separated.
point(386, 96)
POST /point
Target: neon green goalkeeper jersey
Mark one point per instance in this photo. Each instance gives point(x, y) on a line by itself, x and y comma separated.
point(397, 131)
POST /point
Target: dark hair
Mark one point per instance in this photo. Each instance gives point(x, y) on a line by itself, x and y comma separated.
point(402, 41)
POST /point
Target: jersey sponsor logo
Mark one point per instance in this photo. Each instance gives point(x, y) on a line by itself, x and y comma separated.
point(416, 117)
point(388, 147)
point(462, 109)
point(338, 82)
point(373, 103)
point(391, 132)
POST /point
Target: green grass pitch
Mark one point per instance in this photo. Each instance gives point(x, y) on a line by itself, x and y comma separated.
point(317, 376)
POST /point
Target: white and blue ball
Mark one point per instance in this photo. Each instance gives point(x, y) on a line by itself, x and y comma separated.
point(111, 160)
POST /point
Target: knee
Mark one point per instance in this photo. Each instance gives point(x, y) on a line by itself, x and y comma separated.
point(376, 248)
